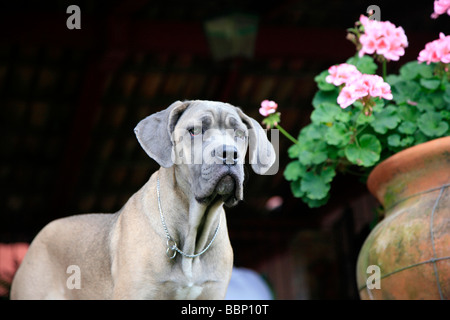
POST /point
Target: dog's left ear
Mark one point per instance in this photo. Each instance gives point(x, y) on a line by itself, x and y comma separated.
point(154, 133)
point(261, 152)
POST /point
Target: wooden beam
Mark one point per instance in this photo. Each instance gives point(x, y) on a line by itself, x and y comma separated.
point(80, 133)
point(172, 37)
point(102, 63)
point(48, 30)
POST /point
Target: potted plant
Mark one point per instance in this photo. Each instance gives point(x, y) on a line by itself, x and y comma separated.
point(393, 129)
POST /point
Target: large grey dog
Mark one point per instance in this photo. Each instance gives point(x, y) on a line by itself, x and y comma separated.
point(170, 240)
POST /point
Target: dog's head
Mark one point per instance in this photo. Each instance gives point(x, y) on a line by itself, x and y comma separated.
point(208, 142)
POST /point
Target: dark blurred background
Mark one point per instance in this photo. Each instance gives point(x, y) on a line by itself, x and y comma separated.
point(69, 100)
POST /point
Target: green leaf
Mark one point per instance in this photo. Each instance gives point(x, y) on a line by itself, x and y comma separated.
point(366, 153)
point(328, 174)
point(432, 124)
point(338, 135)
point(316, 186)
point(325, 96)
point(322, 83)
point(437, 99)
point(419, 137)
point(272, 119)
point(325, 113)
point(312, 203)
point(294, 151)
point(409, 70)
point(295, 189)
point(447, 93)
point(379, 104)
point(424, 103)
point(363, 119)
point(313, 131)
point(395, 140)
point(408, 113)
point(426, 70)
point(344, 115)
point(429, 101)
point(445, 115)
point(431, 84)
point(392, 79)
point(404, 91)
point(315, 154)
point(364, 64)
point(294, 170)
point(407, 142)
point(385, 119)
point(407, 127)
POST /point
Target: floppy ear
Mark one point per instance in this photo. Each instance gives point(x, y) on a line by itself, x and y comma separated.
point(154, 133)
point(261, 152)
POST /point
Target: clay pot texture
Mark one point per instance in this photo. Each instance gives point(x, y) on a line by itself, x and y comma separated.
point(411, 245)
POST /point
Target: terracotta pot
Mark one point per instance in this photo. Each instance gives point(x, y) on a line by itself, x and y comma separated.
point(411, 245)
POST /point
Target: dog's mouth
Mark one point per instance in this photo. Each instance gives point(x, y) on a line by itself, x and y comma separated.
point(225, 186)
point(226, 190)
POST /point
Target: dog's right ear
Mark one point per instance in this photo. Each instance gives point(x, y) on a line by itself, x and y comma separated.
point(261, 151)
point(154, 133)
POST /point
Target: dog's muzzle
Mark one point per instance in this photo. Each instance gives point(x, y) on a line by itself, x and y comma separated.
point(227, 154)
point(225, 186)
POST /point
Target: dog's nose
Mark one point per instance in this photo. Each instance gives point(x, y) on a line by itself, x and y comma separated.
point(227, 154)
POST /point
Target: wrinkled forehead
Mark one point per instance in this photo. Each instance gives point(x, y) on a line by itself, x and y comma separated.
point(211, 114)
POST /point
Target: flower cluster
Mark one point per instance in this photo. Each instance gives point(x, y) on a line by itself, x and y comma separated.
point(342, 74)
point(441, 7)
point(384, 119)
point(268, 107)
point(382, 38)
point(437, 50)
point(357, 85)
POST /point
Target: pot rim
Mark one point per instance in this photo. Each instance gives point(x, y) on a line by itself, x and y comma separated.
point(402, 162)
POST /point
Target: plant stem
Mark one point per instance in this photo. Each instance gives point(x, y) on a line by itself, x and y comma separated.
point(361, 129)
point(286, 134)
point(356, 141)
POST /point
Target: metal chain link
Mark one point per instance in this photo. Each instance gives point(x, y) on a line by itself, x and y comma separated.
point(171, 244)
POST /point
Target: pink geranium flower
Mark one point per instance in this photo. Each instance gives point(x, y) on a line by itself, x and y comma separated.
point(347, 97)
point(268, 107)
point(436, 51)
point(342, 73)
point(382, 38)
point(366, 85)
point(378, 88)
point(441, 7)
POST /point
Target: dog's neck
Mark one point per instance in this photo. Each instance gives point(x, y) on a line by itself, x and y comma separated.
point(190, 223)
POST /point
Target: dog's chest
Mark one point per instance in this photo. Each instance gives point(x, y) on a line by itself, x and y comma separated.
point(188, 292)
point(189, 285)
point(182, 290)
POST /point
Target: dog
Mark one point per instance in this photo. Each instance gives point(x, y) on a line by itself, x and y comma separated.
point(170, 239)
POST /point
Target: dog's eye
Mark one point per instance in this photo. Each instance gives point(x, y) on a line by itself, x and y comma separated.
point(239, 134)
point(195, 131)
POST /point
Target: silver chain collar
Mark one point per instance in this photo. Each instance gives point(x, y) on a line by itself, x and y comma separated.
point(171, 244)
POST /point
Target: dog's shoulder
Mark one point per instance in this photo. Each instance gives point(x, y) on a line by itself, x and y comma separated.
point(85, 226)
